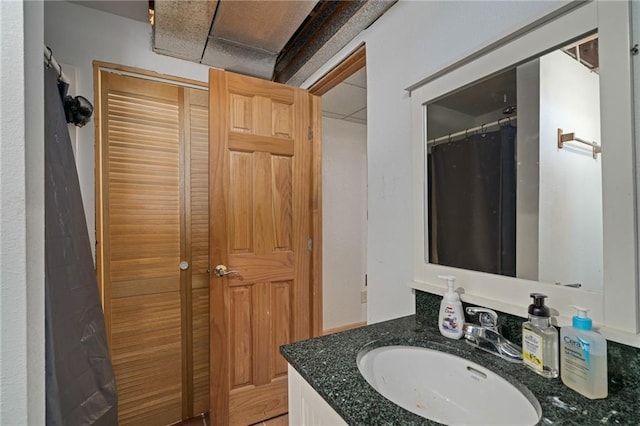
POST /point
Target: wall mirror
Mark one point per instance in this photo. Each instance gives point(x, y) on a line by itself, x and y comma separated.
point(504, 197)
point(572, 217)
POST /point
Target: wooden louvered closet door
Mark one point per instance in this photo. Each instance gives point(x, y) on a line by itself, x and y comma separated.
point(153, 215)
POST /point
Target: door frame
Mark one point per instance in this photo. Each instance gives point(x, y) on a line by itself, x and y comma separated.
point(354, 62)
point(336, 75)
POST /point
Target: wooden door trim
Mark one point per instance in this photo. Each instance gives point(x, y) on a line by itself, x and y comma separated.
point(218, 365)
point(316, 216)
point(142, 73)
point(102, 250)
point(354, 62)
point(303, 256)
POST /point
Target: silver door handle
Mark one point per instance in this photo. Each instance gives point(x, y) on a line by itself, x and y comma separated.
point(221, 271)
point(184, 265)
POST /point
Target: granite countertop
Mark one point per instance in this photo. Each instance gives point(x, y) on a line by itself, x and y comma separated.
point(328, 364)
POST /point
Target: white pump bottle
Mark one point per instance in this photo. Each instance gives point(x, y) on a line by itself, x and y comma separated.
point(451, 317)
point(583, 357)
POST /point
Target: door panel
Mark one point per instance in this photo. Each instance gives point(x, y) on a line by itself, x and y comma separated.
point(146, 348)
point(241, 336)
point(153, 214)
point(260, 210)
point(142, 201)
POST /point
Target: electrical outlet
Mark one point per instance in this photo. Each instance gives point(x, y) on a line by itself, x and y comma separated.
point(363, 296)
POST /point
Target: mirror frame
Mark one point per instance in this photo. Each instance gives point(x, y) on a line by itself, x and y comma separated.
point(615, 309)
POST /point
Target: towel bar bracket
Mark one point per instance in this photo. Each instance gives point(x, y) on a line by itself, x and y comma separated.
point(571, 137)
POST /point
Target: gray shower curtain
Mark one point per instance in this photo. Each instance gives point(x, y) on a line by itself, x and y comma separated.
point(80, 384)
point(473, 203)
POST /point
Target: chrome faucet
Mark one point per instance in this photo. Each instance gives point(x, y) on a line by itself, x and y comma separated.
point(486, 336)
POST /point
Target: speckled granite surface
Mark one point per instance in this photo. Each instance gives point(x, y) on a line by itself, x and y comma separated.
point(328, 363)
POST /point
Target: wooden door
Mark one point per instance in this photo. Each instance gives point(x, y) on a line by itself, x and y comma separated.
point(152, 215)
point(260, 222)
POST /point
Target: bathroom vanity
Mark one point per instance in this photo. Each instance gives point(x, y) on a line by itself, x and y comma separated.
point(326, 385)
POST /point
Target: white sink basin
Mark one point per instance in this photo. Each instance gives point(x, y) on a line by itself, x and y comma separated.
point(446, 388)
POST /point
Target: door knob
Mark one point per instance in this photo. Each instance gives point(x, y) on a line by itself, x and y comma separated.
point(184, 265)
point(222, 270)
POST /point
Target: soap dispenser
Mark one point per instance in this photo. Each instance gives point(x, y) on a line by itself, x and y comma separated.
point(540, 340)
point(451, 317)
point(583, 357)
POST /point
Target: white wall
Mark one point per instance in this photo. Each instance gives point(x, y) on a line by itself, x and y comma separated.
point(70, 73)
point(570, 227)
point(79, 35)
point(528, 170)
point(21, 214)
point(344, 219)
point(412, 40)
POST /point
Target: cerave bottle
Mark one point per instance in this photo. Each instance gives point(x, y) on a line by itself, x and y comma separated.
point(583, 357)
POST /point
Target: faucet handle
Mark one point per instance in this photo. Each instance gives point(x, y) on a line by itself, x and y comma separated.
point(488, 318)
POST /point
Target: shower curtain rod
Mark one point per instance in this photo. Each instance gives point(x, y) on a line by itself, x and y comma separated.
point(51, 61)
point(472, 129)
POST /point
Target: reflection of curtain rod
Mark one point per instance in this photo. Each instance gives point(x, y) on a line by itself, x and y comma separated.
point(51, 62)
point(481, 128)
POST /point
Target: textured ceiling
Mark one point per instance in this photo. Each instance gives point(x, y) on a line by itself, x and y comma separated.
point(181, 28)
point(241, 36)
point(263, 25)
point(247, 36)
point(281, 40)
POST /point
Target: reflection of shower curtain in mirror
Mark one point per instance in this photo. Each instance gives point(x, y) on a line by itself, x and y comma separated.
point(472, 214)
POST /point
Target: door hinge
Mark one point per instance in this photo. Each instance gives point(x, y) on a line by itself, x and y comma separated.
point(310, 244)
point(310, 134)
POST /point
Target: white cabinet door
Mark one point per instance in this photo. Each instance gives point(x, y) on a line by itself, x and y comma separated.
point(306, 406)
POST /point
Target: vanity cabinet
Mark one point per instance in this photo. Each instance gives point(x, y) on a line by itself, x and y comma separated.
point(306, 406)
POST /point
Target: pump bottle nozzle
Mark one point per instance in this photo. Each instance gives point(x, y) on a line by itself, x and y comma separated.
point(451, 281)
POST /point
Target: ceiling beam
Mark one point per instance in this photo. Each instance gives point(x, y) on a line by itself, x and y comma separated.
point(330, 26)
